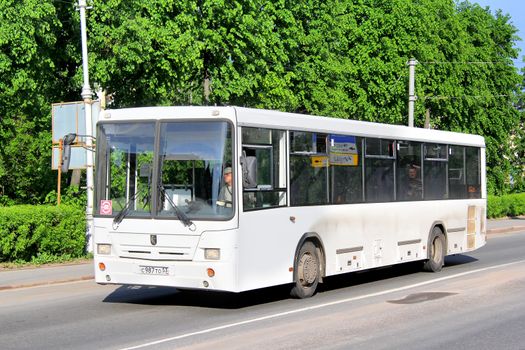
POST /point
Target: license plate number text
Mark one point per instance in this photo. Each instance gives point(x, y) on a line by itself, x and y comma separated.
point(154, 270)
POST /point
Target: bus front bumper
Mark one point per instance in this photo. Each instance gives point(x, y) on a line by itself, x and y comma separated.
point(208, 275)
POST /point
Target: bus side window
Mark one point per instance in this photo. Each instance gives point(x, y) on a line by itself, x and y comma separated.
point(435, 167)
point(457, 187)
point(473, 172)
point(409, 183)
point(309, 168)
point(346, 169)
point(264, 168)
point(379, 170)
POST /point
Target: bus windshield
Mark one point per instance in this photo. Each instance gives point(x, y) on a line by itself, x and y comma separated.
point(194, 158)
point(187, 176)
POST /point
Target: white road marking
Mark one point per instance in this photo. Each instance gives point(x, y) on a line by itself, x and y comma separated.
point(309, 308)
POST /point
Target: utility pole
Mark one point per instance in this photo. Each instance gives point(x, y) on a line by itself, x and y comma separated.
point(87, 95)
point(411, 90)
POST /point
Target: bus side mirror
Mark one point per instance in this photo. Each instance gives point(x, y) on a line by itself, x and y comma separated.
point(249, 171)
point(66, 151)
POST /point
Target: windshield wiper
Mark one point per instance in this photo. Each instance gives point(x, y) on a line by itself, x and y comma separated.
point(180, 214)
point(120, 216)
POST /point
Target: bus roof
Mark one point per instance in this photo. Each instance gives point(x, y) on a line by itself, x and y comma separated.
point(303, 122)
point(294, 121)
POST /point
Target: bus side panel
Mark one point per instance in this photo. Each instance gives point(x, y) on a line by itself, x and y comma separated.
point(354, 237)
point(365, 236)
point(267, 243)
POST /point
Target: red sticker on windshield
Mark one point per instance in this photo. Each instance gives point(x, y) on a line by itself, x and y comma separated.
point(106, 207)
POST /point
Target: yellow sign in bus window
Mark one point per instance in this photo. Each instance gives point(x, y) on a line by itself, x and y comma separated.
point(319, 161)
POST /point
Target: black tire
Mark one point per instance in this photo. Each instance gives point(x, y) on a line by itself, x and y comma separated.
point(307, 271)
point(436, 251)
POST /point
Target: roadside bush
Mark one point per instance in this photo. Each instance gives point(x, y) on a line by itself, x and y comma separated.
point(506, 205)
point(72, 195)
point(517, 204)
point(6, 201)
point(30, 231)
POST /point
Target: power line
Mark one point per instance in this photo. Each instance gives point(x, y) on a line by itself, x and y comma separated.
point(466, 62)
point(461, 97)
point(71, 2)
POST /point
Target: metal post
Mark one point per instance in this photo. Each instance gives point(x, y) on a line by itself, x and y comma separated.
point(60, 148)
point(87, 96)
point(411, 90)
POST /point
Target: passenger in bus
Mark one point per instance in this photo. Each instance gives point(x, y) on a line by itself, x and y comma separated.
point(414, 185)
point(473, 191)
point(225, 194)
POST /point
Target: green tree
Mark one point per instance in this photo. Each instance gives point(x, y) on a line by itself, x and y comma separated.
point(344, 59)
point(37, 67)
point(471, 85)
point(191, 52)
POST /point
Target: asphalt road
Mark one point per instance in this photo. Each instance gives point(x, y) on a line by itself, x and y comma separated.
point(476, 302)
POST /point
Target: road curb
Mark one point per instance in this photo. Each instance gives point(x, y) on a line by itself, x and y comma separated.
point(47, 283)
point(506, 229)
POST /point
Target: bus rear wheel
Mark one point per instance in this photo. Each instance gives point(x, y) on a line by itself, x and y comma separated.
point(436, 251)
point(307, 271)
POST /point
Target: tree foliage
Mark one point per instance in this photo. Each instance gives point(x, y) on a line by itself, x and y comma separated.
point(345, 59)
point(37, 67)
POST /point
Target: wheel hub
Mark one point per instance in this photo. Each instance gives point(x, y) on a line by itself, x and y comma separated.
point(308, 269)
point(438, 250)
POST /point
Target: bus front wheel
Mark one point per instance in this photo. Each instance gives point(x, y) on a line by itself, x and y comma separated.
point(436, 251)
point(307, 271)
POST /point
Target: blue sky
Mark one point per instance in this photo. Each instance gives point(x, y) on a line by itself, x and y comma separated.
point(516, 10)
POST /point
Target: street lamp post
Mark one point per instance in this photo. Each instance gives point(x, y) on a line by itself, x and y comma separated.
point(411, 90)
point(87, 97)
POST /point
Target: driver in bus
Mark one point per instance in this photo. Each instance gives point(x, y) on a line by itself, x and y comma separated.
point(225, 194)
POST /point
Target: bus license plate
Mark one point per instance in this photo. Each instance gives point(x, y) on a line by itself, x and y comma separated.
point(154, 270)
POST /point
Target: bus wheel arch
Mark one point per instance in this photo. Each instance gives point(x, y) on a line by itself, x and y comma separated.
point(309, 266)
point(436, 248)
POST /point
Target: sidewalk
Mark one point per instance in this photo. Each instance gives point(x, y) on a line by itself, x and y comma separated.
point(31, 277)
point(23, 278)
point(506, 225)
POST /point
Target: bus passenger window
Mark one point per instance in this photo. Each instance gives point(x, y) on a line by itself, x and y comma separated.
point(379, 170)
point(308, 169)
point(264, 168)
point(457, 187)
point(346, 169)
point(473, 170)
point(435, 171)
point(408, 175)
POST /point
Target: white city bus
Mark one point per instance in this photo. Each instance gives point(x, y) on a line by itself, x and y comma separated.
point(310, 197)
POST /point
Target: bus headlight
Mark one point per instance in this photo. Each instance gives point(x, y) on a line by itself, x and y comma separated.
point(212, 253)
point(104, 249)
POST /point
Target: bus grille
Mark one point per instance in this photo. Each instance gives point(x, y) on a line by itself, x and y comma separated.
point(160, 253)
point(166, 247)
